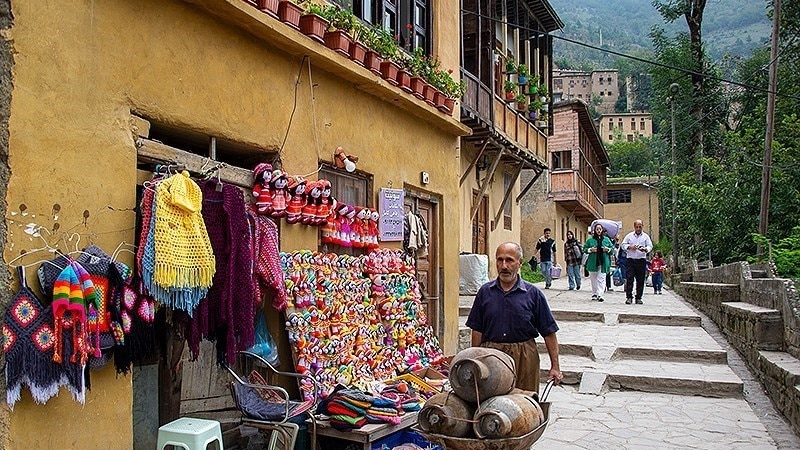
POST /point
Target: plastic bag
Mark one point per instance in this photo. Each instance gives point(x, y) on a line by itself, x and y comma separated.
point(264, 346)
point(618, 281)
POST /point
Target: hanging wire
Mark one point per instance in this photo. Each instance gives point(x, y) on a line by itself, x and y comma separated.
point(294, 109)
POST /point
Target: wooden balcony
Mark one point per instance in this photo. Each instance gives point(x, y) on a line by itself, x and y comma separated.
point(573, 193)
point(491, 118)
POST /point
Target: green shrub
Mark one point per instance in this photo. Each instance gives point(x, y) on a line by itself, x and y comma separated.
point(529, 274)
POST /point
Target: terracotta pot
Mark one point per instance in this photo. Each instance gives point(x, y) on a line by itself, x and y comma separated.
point(511, 96)
point(289, 13)
point(449, 105)
point(358, 52)
point(313, 26)
point(372, 61)
point(430, 94)
point(389, 72)
point(338, 41)
point(404, 81)
point(268, 6)
point(438, 99)
point(418, 87)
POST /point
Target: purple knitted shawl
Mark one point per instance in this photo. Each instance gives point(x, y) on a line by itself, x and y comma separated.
point(227, 314)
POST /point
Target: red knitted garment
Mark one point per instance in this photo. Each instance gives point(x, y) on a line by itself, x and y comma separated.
point(267, 260)
point(227, 313)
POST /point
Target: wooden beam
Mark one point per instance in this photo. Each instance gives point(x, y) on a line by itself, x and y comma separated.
point(507, 195)
point(485, 185)
point(156, 152)
point(473, 162)
point(529, 185)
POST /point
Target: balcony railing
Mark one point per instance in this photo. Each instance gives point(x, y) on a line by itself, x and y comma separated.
point(569, 185)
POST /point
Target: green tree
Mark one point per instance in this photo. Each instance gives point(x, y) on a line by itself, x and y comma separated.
point(631, 159)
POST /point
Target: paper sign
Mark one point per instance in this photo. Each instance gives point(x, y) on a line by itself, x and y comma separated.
point(392, 212)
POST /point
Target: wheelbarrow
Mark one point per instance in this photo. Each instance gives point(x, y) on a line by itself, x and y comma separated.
point(523, 442)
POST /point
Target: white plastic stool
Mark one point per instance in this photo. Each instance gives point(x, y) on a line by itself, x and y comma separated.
point(190, 433)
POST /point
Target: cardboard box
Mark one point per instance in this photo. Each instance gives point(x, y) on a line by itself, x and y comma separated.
point(429, 373)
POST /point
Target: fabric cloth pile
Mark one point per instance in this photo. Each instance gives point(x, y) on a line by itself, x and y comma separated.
point(350, 408)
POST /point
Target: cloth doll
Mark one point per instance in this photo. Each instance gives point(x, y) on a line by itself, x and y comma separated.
point(279, 193)
point(373, 231)
point(313, 197)
point(346, 226)
point(297, 199)
point(326, 202)
point(262, 174)
point(333, 227)
point(356, 233)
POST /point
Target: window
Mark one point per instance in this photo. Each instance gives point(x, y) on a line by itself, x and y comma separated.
point(571, 83)
point(610, 137)
point(601, 81)
point(507, 207)
point(630, 138)
point(610, 124)
point(641, 125)
point(409, 20)
point(602, 93)
point(633, 124)
point(561, 160)
point(609, 92)
point(609, 79)
point(618, 196)
point(351, 188)
point(580, 95)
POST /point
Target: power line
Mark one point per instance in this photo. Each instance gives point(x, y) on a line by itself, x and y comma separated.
point(635, 58)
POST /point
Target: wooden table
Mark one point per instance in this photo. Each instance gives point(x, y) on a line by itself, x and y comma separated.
point(367, 434)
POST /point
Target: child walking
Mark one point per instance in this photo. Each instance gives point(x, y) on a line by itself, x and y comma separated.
point(657, 266)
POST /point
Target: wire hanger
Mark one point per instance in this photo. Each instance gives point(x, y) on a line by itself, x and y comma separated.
point(122, 248)
point(37, 231)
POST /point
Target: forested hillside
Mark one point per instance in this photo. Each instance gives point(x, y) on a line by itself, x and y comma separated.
point(729, 27)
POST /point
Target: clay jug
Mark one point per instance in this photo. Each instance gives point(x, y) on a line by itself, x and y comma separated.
point(478, 373)
point(446, 414)
point(507, 416)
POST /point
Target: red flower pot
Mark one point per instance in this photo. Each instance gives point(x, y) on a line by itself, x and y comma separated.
point(268, 6)
point(418, 87)
point(313, 26)
point(404, 81)
point(338, 41)
point(372, 61)
point(449, 106)
point(289, 13)
point(430, 94)
point(438, 99)
point(389, 72)
point(358, 52)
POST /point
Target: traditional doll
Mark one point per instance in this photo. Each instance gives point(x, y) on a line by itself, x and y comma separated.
point(356, 228)
point(346, 226)
point(373, 232)
point(326, 202)
point(262, 174)
point(331, 232)
point(313, 195)
point(297, 199)
point(279, 193)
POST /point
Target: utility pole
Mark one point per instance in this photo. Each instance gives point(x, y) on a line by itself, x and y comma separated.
point(673, 90)
point(766, 174)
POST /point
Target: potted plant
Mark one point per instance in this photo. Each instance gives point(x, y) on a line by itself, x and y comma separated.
point(313, 23)
point(268, 6)
point(521, 102)
point(452, 89)
point(372, 59)
point(338, 36)
point(542, 91)
point(358, 51)
point(511, 65)
point(510, 88)
point(289, 13)
point(386, 46)
point(533, 109)
point(416, 65)
point(522, 74)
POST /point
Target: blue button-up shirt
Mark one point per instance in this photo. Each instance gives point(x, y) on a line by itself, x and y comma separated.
point(518, 315)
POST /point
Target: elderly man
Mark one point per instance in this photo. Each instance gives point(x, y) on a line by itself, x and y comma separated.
point(637, 245)
point(509, 313)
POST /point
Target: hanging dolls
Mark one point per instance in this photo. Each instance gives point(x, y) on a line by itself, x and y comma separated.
point(330, 230)
point(262, 175)
point(326, 202)
point(373, 231)
point(313, 196)
point(297, 198)
point(346, 218)
point(279, 193)
point(355, 228)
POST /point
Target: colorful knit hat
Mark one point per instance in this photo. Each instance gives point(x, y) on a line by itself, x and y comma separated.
point(74, 293)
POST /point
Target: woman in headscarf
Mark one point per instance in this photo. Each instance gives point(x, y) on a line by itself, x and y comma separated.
point(599, 248)
point(572, 256)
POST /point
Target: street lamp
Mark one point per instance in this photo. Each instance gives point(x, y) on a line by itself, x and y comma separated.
point(673, 90)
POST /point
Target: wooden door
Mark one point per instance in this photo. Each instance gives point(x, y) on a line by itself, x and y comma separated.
point(479, 225)
point(427, 266)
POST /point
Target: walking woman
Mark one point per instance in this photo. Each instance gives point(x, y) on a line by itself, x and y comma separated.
point(599, 248)
point(572, 256)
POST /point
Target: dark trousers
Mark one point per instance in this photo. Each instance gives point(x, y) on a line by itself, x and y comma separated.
point(636, 269)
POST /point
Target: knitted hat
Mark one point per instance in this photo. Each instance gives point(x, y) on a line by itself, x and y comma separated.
point(74, 293)
point(260, 169)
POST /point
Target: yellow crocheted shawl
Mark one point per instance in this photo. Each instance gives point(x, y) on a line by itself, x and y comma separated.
point(183, 254)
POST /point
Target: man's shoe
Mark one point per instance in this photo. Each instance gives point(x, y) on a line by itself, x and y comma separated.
point(547, 286)
point(571, 289)
point(577, 288)
point(629, 301)
point(599, 299)
point(638, 301)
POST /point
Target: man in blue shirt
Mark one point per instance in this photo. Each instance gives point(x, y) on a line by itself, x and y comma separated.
point(509, 313)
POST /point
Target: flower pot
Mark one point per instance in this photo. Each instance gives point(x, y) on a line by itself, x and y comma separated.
point(439, 99)
point(430, 94)
point(404, 81)
point(268, 6)
point(289, 13)
point(522, 79)
point(313, 26)
point(533, 115)
point(541, 123)
point(521, 106)
point(372, 61)
point(449, 106)
point(511, 68)
point(545, 107)
point(511, 96)
point(389, 72)
point(543, 99)
point(418, 87)
point(358, 52)
point(532, 89)
point(338, 41)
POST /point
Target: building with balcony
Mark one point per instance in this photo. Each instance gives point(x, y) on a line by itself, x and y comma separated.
point(576, 180)
point(586, 86)
point(625, 127)
point(507, 141)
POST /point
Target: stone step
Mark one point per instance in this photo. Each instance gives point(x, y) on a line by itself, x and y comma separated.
point(750, 326)
point(678, 320)
point(755, 273)
point(666, 377)
point(609, 353)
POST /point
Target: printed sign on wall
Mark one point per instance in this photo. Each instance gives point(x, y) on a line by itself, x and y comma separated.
point(392, 212)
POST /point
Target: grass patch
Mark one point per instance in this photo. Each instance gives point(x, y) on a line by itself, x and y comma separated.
point(531, 275)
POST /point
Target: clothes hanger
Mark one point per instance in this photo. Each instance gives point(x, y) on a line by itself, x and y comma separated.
point(46, 247)
point(121, 248)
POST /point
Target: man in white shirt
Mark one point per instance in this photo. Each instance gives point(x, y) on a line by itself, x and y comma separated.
point(637, 244)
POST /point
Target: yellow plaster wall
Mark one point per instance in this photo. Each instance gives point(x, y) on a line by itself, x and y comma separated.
point(79, 72)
